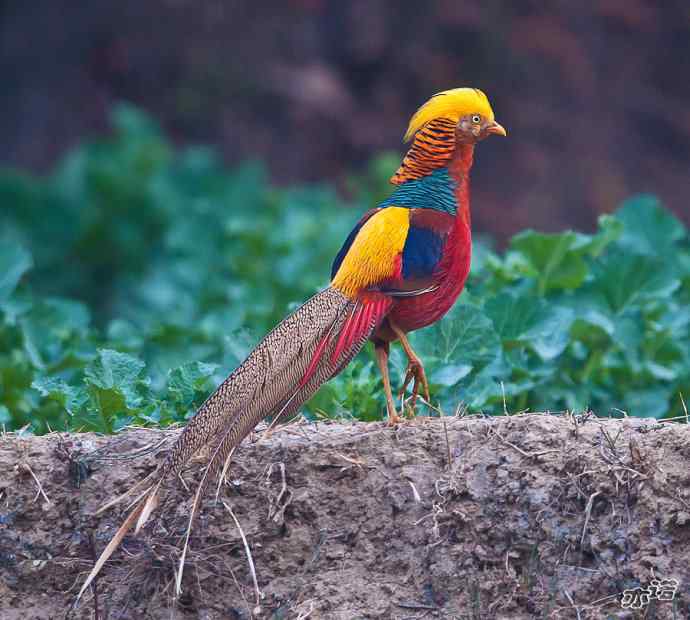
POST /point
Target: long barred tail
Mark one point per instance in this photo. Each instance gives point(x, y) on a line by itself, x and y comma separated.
point(285, 369)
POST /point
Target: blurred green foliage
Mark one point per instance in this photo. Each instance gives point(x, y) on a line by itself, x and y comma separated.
point(135, 277)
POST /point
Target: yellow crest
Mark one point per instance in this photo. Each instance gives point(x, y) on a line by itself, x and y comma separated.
point(451, 104)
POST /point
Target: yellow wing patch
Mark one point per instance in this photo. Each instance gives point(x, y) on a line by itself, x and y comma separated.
point(373, 255)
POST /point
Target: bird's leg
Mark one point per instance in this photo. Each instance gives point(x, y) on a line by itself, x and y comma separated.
point(381, 350)
point(415, 369)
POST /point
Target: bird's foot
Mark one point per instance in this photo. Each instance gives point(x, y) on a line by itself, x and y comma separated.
point(394, 420)
point(415, 372)
point(393, 417)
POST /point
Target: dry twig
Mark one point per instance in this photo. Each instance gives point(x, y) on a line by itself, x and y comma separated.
point(40, 491)
point(250, 561)
point(520, 450)
point(588, 514)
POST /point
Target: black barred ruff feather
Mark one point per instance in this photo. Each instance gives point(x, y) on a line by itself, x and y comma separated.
point(431, 149)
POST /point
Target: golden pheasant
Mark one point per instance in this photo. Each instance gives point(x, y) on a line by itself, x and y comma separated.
point(401, 268)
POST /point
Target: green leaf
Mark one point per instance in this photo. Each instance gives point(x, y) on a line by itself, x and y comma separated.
point(555, 259)
point(116, 384)
point(624, 278)
point(591, 311)
point(481, 388)
point(628, 336)
point(450, 374)
point(464, 337)
point(112, 369)
point(456, 351)
point(15, 261)
point(550, 335)
point(523, 319)
point(186, 382)
point(71, 398)
point(610, 229)
point(647, 227)
point(53, 329)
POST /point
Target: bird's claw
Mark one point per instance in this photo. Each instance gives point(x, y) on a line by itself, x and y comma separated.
point(394, 419)
point(415, 371)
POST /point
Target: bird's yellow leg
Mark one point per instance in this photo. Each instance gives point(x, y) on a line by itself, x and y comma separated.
point(381, 351)
point(415, 369)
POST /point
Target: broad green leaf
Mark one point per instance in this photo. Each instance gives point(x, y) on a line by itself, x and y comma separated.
point(464, 337)
point(187, 381)
point(531, 321)
point(647, 227)
point(70, 397)
point(628, 336)
point(54, 329)
point(450, 374)
point(555, 259)
point(550, 335)
point(610, 229)
point(592, 311)
point(482, 389)
point(116, 384)
point(624, 278)
point(112, 369)
point(591, 334)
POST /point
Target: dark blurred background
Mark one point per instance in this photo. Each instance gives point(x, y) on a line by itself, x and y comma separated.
point(596, 96)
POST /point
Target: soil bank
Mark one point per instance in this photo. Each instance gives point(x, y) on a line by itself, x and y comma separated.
point(527, 516)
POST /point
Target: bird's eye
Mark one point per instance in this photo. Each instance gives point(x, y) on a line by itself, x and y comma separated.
point(476, 119)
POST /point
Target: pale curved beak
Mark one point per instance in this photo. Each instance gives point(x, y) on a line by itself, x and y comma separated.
point(496, 129)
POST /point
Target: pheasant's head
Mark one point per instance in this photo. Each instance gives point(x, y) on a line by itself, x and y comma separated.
point(467, 109)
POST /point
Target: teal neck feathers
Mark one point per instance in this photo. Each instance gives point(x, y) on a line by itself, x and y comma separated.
point(432, 191)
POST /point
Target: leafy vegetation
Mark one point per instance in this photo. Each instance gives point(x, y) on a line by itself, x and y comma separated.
point(134, 278)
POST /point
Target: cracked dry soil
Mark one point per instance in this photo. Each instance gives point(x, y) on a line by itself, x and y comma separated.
point(527, 516)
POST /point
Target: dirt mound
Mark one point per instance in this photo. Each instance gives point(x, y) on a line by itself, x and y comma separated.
point(529, 516)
